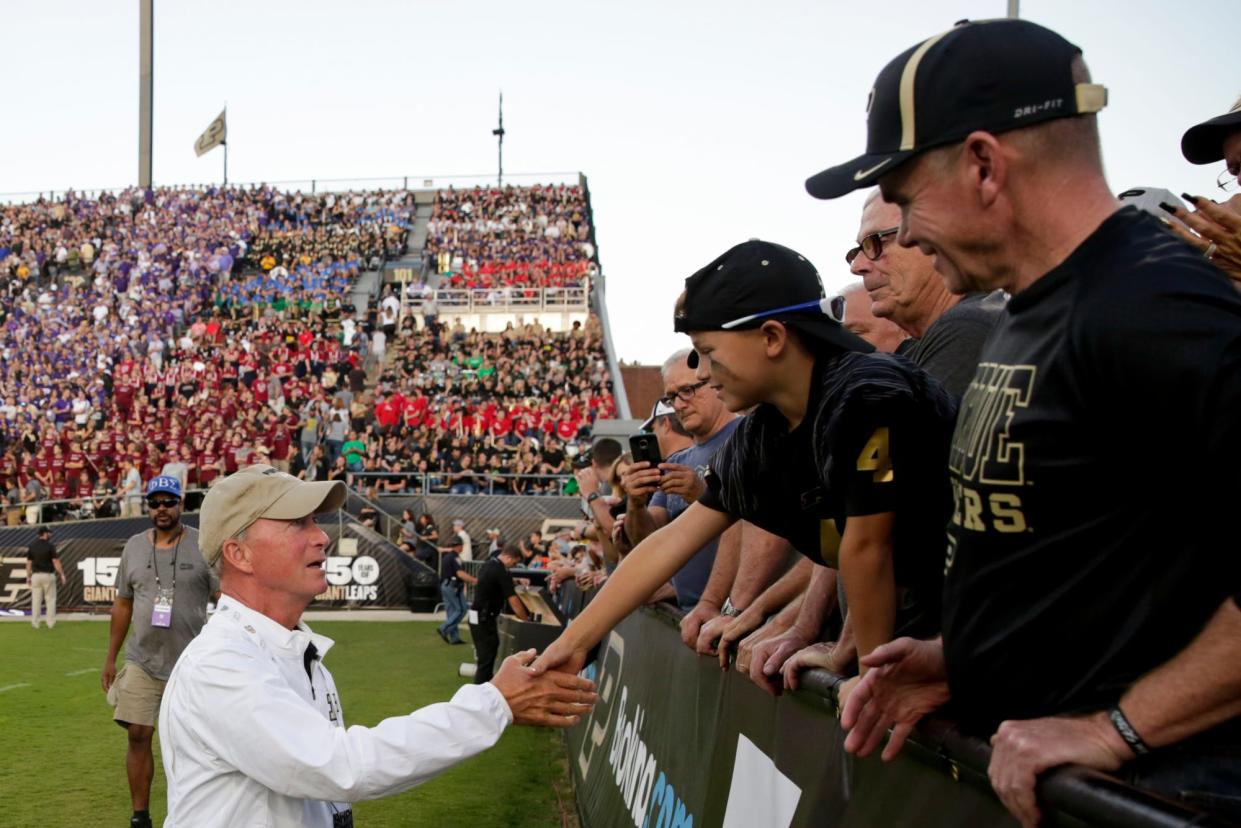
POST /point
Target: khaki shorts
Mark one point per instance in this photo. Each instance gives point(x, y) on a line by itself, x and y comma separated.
point(136, 695)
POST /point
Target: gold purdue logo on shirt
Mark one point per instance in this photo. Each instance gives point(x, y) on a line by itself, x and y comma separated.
point(983, 452)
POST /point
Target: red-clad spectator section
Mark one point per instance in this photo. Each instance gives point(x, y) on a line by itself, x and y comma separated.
point(530, 237)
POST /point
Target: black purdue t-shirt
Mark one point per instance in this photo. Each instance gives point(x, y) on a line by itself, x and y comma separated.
point(1094, 458)
point(875, 440)
point(495, 587)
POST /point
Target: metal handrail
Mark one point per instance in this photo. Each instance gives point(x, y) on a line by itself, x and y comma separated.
point(510, 299)
point(440, 479)
point(401, 182)
point(116, 496)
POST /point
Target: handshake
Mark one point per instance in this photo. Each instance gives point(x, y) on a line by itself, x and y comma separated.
point(551, 698)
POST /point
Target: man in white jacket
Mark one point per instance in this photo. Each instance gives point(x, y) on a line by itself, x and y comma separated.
point(251, 724)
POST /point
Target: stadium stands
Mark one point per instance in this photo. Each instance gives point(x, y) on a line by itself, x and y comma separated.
point(205, 329)
point(489, 237)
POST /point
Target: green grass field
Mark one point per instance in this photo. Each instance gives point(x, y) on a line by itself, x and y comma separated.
point(62, 761)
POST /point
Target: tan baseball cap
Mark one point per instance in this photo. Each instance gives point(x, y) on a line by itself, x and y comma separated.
point(255, 492)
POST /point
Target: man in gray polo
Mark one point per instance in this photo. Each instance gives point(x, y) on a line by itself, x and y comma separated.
point(162, 590)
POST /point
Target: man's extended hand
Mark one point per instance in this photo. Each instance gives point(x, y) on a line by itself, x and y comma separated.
point(550, 699)
point(1021, 750)
point(692, 624)
point(681, 480)
point(907, 679)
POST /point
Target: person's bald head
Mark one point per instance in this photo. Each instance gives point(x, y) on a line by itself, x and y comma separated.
point(884, 334)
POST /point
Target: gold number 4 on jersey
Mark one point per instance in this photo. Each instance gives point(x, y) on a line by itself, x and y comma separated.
point(875, 457)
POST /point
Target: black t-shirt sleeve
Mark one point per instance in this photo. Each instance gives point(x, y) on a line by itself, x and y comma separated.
point(728, 479)
point(711, 496)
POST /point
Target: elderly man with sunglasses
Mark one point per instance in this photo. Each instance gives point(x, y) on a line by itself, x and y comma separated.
point(948, 329)
point(162, 590)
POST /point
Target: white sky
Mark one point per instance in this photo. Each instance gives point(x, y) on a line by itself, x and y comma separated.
point(696, 122)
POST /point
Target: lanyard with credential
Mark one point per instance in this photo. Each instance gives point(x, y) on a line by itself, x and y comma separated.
point(155, 561)
point(161, 611)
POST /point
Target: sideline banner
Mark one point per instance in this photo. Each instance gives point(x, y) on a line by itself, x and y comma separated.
point(676, 743)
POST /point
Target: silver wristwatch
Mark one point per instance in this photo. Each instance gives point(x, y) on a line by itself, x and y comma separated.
point(728, 609)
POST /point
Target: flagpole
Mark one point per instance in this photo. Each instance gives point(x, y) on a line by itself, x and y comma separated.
point(225, 143)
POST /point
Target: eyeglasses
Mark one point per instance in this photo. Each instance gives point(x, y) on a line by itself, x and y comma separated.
point(685, 393)
point(162, 503)
point(871, 245)
point(1227, 181)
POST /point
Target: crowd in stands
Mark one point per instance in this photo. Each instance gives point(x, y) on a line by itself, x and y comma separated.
point(521, 237)
point(194, 331)
point(466, 412)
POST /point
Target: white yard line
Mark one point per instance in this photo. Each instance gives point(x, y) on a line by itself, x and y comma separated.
point(14, 686)
point(81, 672)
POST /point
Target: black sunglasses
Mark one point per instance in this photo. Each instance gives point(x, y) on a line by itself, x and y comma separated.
point(162, 503)
point(871, 245)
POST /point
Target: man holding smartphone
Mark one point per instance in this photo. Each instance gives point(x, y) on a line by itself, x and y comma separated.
point(658, 495)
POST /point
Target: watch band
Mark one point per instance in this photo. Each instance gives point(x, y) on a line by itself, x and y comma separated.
point(592, 497)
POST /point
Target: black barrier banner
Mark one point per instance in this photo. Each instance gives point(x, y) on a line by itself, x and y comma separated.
point(676, 743)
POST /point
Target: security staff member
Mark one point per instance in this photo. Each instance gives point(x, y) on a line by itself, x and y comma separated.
point(495, 588)
point(162, 590)
point(453, 577)
point(42, 569)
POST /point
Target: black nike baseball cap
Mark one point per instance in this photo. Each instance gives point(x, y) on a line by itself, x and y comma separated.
point(1204, 143)
point(991, 75)
point(756, 281)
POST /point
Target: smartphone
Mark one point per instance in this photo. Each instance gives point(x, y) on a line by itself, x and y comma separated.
point(645, 447)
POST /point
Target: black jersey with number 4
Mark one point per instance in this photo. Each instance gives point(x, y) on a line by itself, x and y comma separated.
point(874, 440)
point(1094, 458)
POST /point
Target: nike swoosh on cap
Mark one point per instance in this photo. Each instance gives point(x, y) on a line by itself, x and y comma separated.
point(860, 174)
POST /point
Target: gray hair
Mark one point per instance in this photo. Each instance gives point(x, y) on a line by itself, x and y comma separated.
point(677, 359)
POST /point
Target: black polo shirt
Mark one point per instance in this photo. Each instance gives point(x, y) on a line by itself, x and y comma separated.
point(494, 588)
point(41, 554)
point(450, 565)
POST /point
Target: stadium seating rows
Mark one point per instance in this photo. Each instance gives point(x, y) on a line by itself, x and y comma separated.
point(211, 328)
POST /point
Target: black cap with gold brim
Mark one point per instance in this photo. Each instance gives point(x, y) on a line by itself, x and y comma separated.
point(991, 75)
